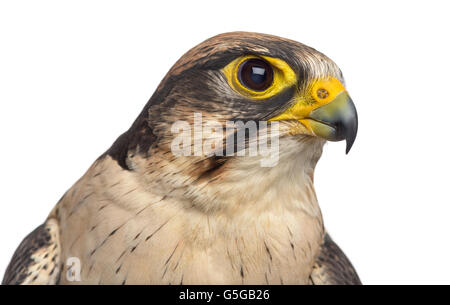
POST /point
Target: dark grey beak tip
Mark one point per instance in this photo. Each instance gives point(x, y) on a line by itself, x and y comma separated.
point(349, 146)
point(351, 132)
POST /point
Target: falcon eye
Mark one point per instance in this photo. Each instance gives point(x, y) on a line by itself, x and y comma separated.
point(259, 77)
point(255, 74)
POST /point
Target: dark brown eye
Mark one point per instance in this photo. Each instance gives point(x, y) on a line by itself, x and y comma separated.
point(255, 74)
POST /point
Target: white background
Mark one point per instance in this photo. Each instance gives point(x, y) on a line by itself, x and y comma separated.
point(74, 75)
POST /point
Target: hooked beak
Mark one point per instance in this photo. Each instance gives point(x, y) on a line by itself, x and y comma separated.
point(332, 114)
point(335, 121)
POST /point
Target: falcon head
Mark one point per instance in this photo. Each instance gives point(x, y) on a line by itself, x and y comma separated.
point(245, 77)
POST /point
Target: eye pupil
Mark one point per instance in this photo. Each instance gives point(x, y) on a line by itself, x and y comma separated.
point(256, 74)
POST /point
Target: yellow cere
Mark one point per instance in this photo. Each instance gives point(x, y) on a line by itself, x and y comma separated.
point(321, 92)
point(283, 77)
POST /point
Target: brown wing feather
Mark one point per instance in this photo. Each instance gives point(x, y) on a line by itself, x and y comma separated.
point(332, 267)
point(37, 259)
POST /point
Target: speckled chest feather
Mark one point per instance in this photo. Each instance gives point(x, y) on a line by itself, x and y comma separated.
point(250, 233)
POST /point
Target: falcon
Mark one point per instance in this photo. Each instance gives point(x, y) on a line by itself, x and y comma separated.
point(146, 214)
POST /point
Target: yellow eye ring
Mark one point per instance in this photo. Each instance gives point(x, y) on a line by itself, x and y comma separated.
point(282, 76)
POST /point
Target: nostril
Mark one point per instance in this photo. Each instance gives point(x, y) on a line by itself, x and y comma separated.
point(322, 93)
